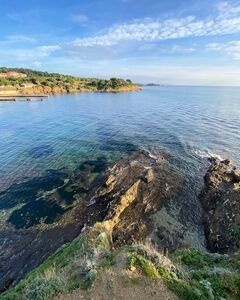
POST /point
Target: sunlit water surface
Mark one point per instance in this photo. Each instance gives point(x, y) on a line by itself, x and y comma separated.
point(190, 123)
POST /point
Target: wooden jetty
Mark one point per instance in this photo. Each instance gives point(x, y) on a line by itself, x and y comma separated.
point(7, 99)
point(21, 97)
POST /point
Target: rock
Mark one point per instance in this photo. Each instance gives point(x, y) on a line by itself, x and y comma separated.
point(236, 174)
point(220, 199)
point(236, 186)
point(134, 190)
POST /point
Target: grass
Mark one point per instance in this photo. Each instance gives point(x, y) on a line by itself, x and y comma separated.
point(211, 273)
point(147, 267)
point(206, 275)
point(195, 276)
point(44, 288)
point(108, 260)
point(56, 273)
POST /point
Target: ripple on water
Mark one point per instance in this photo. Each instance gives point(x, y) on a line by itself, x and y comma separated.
point(40, 151)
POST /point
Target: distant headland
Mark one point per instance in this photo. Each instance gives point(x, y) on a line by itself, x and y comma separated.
point(19, 81)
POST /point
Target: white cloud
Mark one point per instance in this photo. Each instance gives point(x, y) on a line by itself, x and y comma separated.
point(231, 48)
point(82, 19)
point(180, 49)
point(44, 51)
point(227, 9)
point(37, 64)
point(31, 54)
point(149, 30)
point(19, 38)
point(147, 47)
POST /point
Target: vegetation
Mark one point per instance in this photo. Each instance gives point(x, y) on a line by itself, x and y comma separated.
point(189, 273)
point(54, 82)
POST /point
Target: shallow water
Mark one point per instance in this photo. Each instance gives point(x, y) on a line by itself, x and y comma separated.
point(42, 143)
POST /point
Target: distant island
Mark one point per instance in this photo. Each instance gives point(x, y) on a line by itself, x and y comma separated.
point(152, 84)
point(19, 81)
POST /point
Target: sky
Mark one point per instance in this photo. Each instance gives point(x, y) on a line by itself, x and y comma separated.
point(183, 42)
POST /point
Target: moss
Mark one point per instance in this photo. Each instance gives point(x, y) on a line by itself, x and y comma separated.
point(147, 267)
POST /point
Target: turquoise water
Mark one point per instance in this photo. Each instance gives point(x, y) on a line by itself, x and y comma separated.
point(60, 133)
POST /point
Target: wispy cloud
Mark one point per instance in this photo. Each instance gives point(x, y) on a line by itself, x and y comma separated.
point(227, 9)
point(226, 22)
point(231, 48)
point(180, 49)
point(79, 18)
point(31, 54)
point(19, 38)
point(144, 35)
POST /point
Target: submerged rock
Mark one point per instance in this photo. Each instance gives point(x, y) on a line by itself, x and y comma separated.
point(220, 199)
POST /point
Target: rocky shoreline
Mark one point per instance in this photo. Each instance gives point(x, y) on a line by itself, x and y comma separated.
point(139, 198)
point(40, 90)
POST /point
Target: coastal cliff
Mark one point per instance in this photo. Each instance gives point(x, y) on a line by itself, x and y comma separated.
point(131, 240)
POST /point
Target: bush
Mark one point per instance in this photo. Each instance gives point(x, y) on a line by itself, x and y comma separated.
point(43, 288)
point(147, 267)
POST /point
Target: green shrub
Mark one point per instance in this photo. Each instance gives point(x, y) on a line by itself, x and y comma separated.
point(193, 258)
point(147, 267)
point(184, 290)
point(43, 288)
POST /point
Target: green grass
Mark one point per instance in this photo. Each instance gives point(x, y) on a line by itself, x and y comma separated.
point(147, 267)
point(220, 272)
point(202, 275)
point(44, 288)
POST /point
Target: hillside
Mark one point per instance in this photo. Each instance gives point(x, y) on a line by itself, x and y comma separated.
point(14, 81)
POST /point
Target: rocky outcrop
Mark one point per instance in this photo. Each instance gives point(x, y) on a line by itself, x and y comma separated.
point(220, 199)
point(135, 189)
point(135, 199)
point(140, 201)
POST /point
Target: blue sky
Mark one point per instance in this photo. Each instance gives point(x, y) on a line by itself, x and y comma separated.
point(168, 41)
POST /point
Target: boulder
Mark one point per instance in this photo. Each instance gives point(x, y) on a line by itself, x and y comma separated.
point(220, 200)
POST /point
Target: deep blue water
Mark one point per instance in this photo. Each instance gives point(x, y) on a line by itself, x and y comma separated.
point(61, 132)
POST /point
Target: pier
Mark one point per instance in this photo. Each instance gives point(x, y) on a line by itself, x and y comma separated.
point(22, 97)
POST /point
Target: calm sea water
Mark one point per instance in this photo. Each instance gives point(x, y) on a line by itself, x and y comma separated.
point(190, 123)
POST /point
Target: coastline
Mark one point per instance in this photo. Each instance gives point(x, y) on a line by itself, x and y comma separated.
point(39, 91)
